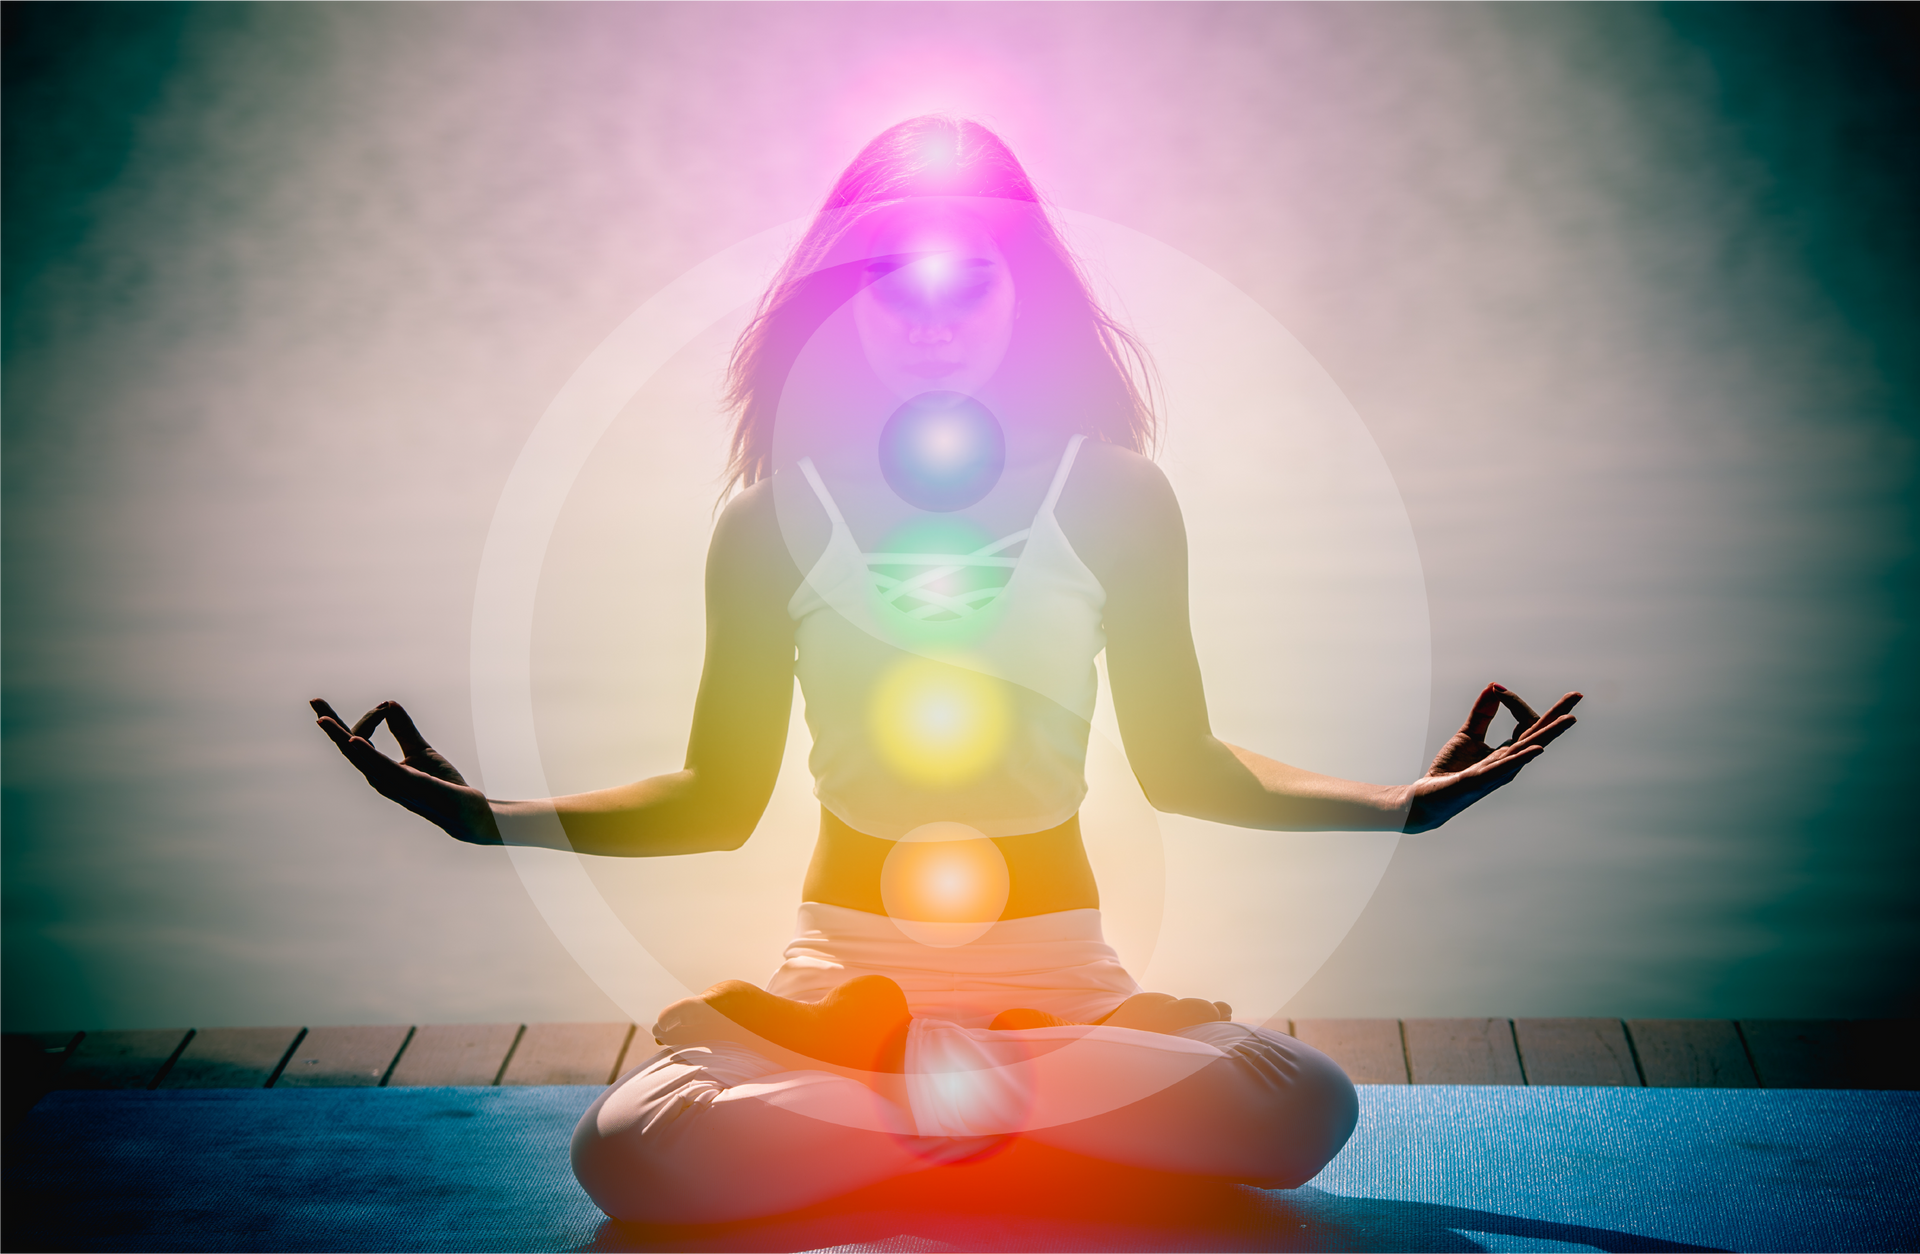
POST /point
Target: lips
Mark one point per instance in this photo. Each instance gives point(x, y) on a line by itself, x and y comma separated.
point(933, 369)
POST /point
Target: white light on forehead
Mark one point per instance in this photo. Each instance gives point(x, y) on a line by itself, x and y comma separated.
point(938, 270)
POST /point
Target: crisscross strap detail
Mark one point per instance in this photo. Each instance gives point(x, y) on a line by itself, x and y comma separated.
point(915, 595)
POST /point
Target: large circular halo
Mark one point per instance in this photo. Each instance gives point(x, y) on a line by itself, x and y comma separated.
point(1308, 605)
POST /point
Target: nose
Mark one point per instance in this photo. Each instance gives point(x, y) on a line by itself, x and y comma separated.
point(929, 331)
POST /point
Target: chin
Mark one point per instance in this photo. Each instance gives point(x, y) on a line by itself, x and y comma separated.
point(907, 386)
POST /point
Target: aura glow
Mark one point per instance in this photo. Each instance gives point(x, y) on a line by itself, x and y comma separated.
point(942, 451)
point(938, 725)
point(948, 574)
point(1277, 926)
point(944, 884)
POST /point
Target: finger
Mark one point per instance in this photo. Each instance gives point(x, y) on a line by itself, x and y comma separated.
point(336, 731)
point(1523, 715)
point(381, 771)
point(400, 783)
point(370, 720)
point(412, 743)
point(321, 708)
point(1546, 732)
point(1485, 706)
point(1562, 706)
point(1524, 729)
point(1497, 771)
point(1226, 1011)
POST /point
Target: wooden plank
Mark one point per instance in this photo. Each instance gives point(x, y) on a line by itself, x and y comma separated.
point(1575, 1052)
point(120, 1060)
point(454, 1053)
point(36, 1056)
point(1797, 1053)
point(231, 1058)
point(1833, 1053)
point(1691, 1054)
point(1885, 1053)
point(356, 1057)
point(48, 1044)
point(1370, 1051)
point(568, 1053)
point(31, 1061)
point(1461, 1051)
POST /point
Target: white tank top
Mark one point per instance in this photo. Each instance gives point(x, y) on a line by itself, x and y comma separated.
point(934, 706)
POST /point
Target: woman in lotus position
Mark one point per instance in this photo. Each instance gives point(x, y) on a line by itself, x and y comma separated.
point(945, 514)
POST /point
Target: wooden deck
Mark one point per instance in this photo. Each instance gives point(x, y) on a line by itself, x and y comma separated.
point(1674, 1053)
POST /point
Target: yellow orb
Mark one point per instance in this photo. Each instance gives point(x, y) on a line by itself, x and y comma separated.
point(938, 725)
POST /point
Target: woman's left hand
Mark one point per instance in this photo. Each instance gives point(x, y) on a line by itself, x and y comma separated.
point(1467, 768)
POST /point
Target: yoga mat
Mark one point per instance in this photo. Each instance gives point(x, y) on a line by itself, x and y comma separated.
point(1430, 1168)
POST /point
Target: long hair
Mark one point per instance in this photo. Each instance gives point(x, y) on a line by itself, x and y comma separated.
point(936, 155)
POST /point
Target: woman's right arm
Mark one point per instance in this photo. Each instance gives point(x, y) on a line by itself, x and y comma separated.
point(734, 749)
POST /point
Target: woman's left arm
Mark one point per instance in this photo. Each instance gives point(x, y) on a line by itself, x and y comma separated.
point(1126, 525)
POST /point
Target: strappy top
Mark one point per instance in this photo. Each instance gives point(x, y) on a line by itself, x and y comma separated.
point(931, 703)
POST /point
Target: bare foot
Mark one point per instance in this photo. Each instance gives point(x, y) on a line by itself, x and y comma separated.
point(861, 1025)
point(1016, 1020)
point(1143, 1012)
point(1161, 1012)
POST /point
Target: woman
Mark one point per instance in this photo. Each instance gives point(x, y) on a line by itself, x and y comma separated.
point(945, 513)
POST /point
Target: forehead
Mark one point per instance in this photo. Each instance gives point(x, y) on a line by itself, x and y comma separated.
point(935, 230)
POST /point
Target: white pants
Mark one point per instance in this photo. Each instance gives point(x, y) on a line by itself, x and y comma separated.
point(718, 1131)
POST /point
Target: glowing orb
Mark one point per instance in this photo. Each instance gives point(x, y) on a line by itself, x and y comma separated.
point(942, 451)
point(933, 275)
point(944, 884)
point(938, 725)
point(1264, 912)
point(920, 534)
point(937, 150)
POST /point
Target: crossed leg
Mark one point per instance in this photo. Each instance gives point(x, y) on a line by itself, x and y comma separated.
point(719, 1130)
point(862, 1024)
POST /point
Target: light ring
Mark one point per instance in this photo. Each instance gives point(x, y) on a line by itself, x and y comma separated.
point(563, 440)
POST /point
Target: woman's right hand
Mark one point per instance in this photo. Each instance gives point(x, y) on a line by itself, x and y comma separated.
point(422, 780)
point(1468, 768)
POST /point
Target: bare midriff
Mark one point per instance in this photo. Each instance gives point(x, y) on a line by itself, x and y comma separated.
point(1046, 871)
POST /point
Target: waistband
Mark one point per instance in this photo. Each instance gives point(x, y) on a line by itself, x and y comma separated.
point(818, 918)
point(1059, 963)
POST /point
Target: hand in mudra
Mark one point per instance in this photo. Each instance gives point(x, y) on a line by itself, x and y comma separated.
point(422, 780)
point(1467, 768)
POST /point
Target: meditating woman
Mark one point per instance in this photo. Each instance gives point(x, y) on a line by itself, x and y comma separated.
point(944, 512)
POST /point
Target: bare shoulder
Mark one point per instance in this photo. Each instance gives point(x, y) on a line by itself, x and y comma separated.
point(1117, 509)
point(747, 554)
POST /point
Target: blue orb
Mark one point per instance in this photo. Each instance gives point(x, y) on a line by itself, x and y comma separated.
point(942, 451)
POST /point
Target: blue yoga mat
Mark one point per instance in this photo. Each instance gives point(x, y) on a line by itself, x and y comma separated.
point(1430, 1168)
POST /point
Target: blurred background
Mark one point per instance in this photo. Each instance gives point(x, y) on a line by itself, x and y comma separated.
point(1625, 295)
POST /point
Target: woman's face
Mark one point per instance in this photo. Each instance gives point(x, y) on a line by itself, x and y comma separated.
point(941, 322)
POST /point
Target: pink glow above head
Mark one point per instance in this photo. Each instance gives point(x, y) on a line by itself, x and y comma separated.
point(909, 79)
point(937, 150)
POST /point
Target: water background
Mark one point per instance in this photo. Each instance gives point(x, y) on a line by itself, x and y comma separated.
point(1625, 295)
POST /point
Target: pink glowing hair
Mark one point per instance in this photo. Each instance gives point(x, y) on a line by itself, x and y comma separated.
point(941, 156)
